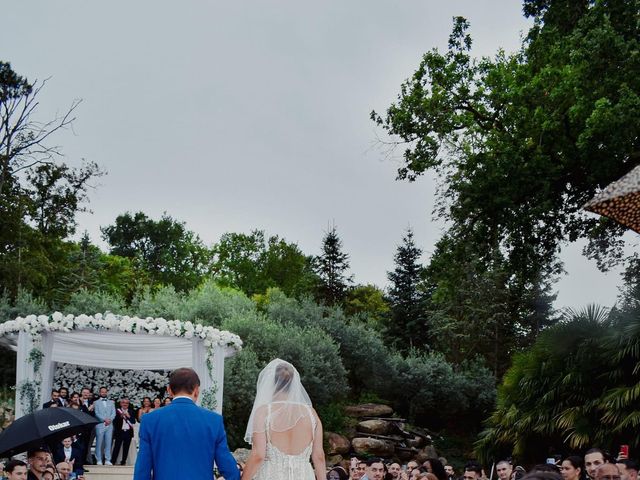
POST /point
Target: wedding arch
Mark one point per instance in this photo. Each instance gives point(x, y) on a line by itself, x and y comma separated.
point(114, 342)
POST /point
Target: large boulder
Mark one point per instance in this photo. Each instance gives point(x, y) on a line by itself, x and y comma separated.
point(368, 410)
point(377, 427)
point(337, 444)
point(334, 460)
point(427, 452)
point(372, 446)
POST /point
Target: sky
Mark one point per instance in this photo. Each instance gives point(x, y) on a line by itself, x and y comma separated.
point(233, 116)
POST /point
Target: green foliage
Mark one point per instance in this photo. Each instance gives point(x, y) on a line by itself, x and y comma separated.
point(406, 325)
point(253, 264)
point(367, 302)
point(92, 302)
point(331, 266)
point(577, 386)
point(168, 252)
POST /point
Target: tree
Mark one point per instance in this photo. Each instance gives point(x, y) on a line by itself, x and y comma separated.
point(406, 325)
point(369, 303)
point(331, 266)
point(164, 249)
point(524, 140)
point(39, 195)
point(253, 264)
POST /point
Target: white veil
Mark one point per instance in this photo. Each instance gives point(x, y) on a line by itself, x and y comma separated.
point(281, 397)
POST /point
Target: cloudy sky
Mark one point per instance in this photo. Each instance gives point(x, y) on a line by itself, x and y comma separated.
point(237, 115)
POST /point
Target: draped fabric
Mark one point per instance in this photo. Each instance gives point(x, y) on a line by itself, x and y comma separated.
point(124, 351)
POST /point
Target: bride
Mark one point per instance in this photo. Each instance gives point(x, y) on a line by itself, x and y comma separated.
point(284, 429)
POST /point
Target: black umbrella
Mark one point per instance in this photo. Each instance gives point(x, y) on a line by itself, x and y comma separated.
point(44, 427)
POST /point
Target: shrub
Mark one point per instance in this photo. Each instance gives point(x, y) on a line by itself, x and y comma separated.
point(92, 302)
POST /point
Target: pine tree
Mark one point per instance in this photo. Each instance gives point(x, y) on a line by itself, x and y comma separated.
point(406, 325)
point(331, 266)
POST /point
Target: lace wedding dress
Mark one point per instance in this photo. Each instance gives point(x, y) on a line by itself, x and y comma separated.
point(288, 464)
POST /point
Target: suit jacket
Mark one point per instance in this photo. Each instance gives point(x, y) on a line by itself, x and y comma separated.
point(182, 440)
point(104, 409)
point(85, 408)
point(117, 423)
point(51, 402)
point(77, 455)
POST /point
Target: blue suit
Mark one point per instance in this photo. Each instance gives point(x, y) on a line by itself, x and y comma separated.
point(182, 440)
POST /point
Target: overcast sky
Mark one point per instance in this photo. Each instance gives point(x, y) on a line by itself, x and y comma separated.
point(236, 115)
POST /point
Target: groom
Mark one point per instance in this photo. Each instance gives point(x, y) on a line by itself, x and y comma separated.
point(182, 440)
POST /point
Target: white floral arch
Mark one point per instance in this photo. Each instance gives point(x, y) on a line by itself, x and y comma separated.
point(115, 342)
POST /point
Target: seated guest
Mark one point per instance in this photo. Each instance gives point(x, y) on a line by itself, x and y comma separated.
point(123, 430)
point(15, 470)
point(70, 453)
point(64, 469)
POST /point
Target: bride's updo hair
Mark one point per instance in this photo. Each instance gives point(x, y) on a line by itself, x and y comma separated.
point(284, 375)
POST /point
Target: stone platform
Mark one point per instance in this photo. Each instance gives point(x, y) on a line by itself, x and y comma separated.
point(104, 472)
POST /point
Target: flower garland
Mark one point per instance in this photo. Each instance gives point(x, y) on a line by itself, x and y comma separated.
point(35, 325)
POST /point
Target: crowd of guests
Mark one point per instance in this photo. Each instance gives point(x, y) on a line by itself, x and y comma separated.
point(596, 464)
point(112, 435)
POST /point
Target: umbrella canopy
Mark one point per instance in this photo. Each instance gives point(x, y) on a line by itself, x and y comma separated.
point(43, 427)
point(620, 201)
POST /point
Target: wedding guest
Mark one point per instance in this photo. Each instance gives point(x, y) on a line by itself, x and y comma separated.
point(628, 469)
point(337, 473)
point(166, 402)
point(55, 400)
point(145, 408)
point(374, 469)
point(74, 398)
point(572, 468)
point(64, 469)
point(394, 470)
point(70, 453)
point(435, 466)
point(157, 402)
point(64, 396)
point(504, 469)
point(88, 407)
point(593, 458)
point(356, 469)
point(15, 470)
point(105, 412)
point(451, 473)
point(123, 430)
point(607, 471)
point(38, 460)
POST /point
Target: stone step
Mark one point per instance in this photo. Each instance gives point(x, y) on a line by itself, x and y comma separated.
point(107, 472)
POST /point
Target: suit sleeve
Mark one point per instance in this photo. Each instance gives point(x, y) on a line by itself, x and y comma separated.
point(144, 461)
point(225, 462)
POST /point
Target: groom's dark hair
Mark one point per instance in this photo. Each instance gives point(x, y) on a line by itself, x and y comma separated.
point(183, 380)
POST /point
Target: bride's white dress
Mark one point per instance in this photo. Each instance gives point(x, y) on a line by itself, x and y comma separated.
point(278, 465)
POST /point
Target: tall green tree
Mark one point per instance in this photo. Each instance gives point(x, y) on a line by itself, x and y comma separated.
point(331, 266)
point(406, 323)
point(164, 249)
point(252, 263)
point(39, 194)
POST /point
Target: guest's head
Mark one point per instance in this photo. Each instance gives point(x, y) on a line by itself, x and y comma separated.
point(157, 402)
point(86, 394)
point(146, 402)
point(411, 465)
point(55, 395)
point(167, 401)
point(394, 469)
point(16, 470)
point(74, 398)
point(593, 458)
point(449, 470)
point(504, 469)
point(67, 442)
point(103, 392)
point(184, 381)
point(628, 469)
point(48, 474)
point(434, 465)
point(337, 473)
point(572, 468)
point(357, 469)
point(607, 471)
point(375, 469)
point(64, 392)
point(64, 469)
point(124, 403)
point(38, 460)
point(472, 471)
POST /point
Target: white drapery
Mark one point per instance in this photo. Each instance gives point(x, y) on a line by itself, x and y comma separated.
point(118, 350)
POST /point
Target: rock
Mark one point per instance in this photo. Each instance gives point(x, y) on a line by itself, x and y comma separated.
point(427, 452)
point(377, 427)
point(334, 460)
point(241, 454)
point(368, 410)
point(338, 444)
point(416, 442)
point(372, 446)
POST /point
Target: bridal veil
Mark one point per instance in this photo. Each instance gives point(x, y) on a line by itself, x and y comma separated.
point(281, 400)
